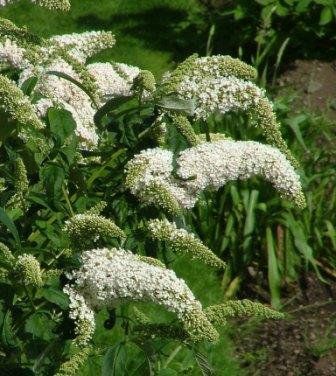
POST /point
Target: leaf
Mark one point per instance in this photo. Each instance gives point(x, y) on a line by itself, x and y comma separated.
point(114, 361)
point(294, 124)
point(167, 372)
point(53, 177)
point(203, 364)
point(56, 296)
point(7, 221)
point(61, 123)
point(108, 107)
point(7, 334)
point(273, 271)
point(40, 326)
point(326, 16)
point(172, 102)
point(28, 86)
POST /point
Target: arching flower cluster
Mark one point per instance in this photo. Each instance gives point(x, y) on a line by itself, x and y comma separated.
point(182, 241)
point(221, 84)
point(210, 165)
point(63, 78)
point(109, 277)
point(149, 176)
point(50, 4)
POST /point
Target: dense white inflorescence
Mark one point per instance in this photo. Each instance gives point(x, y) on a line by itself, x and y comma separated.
point(213, 164)
point(61, 92)
point(50, 4)
point(210, 165)
point(149, 173)
point(12, 54)
point(113, 80)
point(220, 94)
point(84, 45)
point(109, 277)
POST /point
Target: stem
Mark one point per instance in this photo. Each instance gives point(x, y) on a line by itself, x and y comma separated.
point(172, 356)
point(66, 197)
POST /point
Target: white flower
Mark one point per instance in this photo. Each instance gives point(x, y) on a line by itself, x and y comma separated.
point(213, 164)
point(113, 79)
point(84, 45)
point(220, 94)
point(150, 171)
point(210, 165)
point(50, 4)
point(12, 54)
point(61, 92)
point(112, 276)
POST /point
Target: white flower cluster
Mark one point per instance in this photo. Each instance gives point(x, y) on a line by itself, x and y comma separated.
point(12, 54)
point(50, 4)
point(211, 165)
point(220, 94)
point(84, 45)
point(149, 173)
point(59, 91)
point(112, 276)
point(113, 80)
point(180, 240)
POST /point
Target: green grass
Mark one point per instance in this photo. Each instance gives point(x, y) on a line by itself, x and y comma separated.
point(146, 30)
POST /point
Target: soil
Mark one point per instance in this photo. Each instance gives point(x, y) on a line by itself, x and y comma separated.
point(314, 83)
point(303, 344)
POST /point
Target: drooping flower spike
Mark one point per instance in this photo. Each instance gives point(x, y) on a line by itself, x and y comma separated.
point(209, 165)
point(149, 177)
point(221, 84)
point(207, 67)
point(182, 241)
point(213, 164)
point(84, 45)
point(63, 5)
point(84, 230)
point(109, 277)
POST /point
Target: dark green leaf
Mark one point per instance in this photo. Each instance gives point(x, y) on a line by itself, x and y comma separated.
point(40, 326)
point(56, 296)
point(7, 333)
point(114, 361)
point(6, 220)
point(61, 123)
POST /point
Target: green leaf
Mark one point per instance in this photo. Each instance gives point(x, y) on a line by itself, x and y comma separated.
point(167, 372)
point(273, 271)
point(40, 326)
point(7, 221)
point(53, 177)
point(7, 333)
point(326, 15)
point(56, 296)
point(108, 107)
point(28, 86)
point(114, 361)
point(294, 124)
point(61, 123)
point(172, 102)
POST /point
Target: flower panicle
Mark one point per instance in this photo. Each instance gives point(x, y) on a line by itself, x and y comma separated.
point(182, 241)
point(217, 314)
point(85, 230)
point(28, 270)
point(112, 276)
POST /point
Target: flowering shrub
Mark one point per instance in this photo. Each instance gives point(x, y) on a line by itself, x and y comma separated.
point(101, 165)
